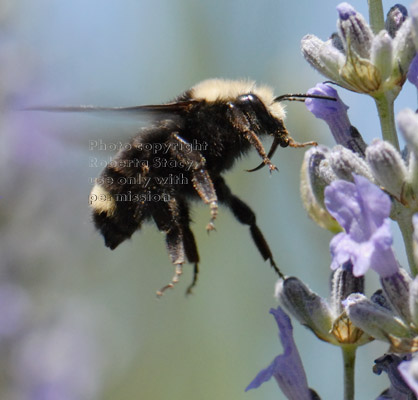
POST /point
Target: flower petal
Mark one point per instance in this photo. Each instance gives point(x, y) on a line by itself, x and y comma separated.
point(362, 209)
point(334, 113)
point(375, 204)
point(390, 363)
point(340, 200)
point(409, 372)
point(286, 368)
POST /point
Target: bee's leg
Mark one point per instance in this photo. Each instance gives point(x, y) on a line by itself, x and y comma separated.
point(191, 253)
point(189, 242)
point(193, 159)
point(239, 118)
point(166, 217)
point(256, 143)
point(292, 143)
point(245, 215)
point(172, 217)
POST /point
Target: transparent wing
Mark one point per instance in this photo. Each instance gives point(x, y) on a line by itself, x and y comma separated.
point(175, 108)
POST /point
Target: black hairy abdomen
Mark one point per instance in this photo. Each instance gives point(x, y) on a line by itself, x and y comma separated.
point(143, 177)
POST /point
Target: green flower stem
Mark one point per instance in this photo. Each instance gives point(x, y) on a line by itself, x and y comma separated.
point(349, 357)
point(404, 219)
point(384, 104)
point(376, 18)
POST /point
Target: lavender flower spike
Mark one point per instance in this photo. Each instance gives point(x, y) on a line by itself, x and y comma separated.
point(334, 113)
point(359, 60)
point(286, 368)
point(362, 209)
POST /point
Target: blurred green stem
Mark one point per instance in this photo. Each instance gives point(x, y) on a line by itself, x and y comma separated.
point(384, 104)
point(376, 18)
point(349, 357)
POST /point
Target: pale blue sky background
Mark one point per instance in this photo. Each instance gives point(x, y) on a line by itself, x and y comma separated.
point(120, 53)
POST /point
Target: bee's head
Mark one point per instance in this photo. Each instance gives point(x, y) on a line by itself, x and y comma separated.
point(251, 107)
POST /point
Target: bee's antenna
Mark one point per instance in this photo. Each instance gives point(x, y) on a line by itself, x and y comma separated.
point(302, 97)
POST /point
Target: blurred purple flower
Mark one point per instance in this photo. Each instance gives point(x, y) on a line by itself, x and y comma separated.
point(59, 360)
point(286, 368)
point(14, 309)
point(362, 209)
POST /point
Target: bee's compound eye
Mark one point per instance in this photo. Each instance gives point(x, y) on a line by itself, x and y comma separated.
point(247, 98)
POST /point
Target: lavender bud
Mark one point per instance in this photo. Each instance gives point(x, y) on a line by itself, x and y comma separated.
point(306, 306)
point(354, 30)
point(344, 163)
point(343, 283)
point(373, 319)
point(381, 54)
point(404, 51)
point(322, 56)
point(395, 18)
point(312, 188)
point(396, 288)
point(408, 124)
point(413, 299)
point(387, 166)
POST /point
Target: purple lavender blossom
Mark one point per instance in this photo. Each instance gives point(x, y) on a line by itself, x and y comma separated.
point(413, 72)
point(409, 372)
point(362, 209)
point(326, 109)
point(393, 365)
point(286, 368)
point(334, 113)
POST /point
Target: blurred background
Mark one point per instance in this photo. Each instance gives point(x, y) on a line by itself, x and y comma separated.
point(78, 321)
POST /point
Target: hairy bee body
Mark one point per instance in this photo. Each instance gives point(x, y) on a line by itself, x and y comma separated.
point(182, 155)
